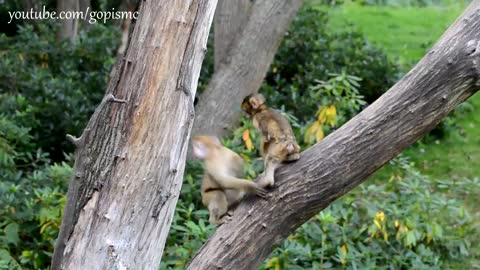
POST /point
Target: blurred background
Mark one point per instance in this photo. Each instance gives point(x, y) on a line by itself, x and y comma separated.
point(420, 211)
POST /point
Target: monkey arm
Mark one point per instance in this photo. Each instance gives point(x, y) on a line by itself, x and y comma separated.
point(230, 182)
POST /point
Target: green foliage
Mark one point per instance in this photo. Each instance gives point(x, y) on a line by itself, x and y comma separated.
point(339, 101)
point(309, 53)
point(53, 88)
point(31, 200)
point(405, 223)
point(396, 3)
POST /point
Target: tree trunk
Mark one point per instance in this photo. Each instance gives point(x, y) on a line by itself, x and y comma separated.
point(131, 156)
point(85, 5)
point(230, 17)
point(445, 77)
point(34, 5)
point(126, 6)
point(243, 70)
point(68, 27)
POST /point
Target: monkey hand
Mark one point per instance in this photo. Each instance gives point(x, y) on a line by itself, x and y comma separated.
point(260, 191)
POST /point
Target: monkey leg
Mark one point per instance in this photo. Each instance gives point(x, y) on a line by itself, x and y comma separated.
point(218, 207)
point(293, 157)
point(267, 178)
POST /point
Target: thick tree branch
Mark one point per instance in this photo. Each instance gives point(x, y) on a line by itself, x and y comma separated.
point(242, 71)
point(445, 77)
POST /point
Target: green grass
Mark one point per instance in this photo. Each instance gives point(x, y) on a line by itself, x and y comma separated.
point(407, 34)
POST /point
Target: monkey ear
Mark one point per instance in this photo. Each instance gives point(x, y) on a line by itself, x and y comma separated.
point(200, 150)
point(254, 103)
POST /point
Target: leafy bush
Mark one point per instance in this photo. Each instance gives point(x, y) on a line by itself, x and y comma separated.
point(31, 200)
point(339, 93)
point(53, 88)
point(309, 53)
point(404, 223)
point(397, 3)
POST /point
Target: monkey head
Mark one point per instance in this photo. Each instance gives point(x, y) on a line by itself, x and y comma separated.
point(251, 104)
point(204, 146)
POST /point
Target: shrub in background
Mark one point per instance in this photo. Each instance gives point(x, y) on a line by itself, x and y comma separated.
point(309, 53)
point(31, 199)
point(404, 223)
point(53, 88)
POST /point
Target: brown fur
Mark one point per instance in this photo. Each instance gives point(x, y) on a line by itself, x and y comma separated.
point(278, 143)
point(222, 185)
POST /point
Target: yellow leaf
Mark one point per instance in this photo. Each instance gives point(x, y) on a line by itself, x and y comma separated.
point(397, 223)
point(273, 262)
point(246, 139)
point(322, 115)
point(379, 226)
point(344, 250)
point(380, 216)
point(315, 126)
point(320, 135)
point(21, 57)
point(330, 115)
point(385, 236)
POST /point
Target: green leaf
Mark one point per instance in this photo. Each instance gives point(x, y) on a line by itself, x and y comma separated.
point(11, 233)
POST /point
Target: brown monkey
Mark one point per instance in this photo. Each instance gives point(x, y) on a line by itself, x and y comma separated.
point(221, 186)
point(278, 143)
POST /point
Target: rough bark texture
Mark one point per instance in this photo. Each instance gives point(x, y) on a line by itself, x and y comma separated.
point(445, 77)
point(68, 27)
point(244, 68)
point(230, 17)
point(131, 156)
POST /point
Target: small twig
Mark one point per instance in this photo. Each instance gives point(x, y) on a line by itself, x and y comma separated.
point(73, 139)
point(111, 98)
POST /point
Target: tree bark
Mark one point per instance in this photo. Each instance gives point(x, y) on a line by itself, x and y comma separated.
point(230, 17)
point(68, 27)
point(445, 77)
point(128, 6)
point(244, 68)
point(84, 6)
point(34, 5)
point(131, 156)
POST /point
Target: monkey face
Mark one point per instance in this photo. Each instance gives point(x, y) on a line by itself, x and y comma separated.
point(203, 145)
point(252, 103)
point(246, 107)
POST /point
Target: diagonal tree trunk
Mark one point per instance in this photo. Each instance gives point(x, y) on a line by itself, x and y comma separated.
point(445, 77)
point(243, 69)
point(131, 156)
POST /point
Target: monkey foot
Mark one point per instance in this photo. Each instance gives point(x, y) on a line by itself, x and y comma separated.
point(293, 157)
